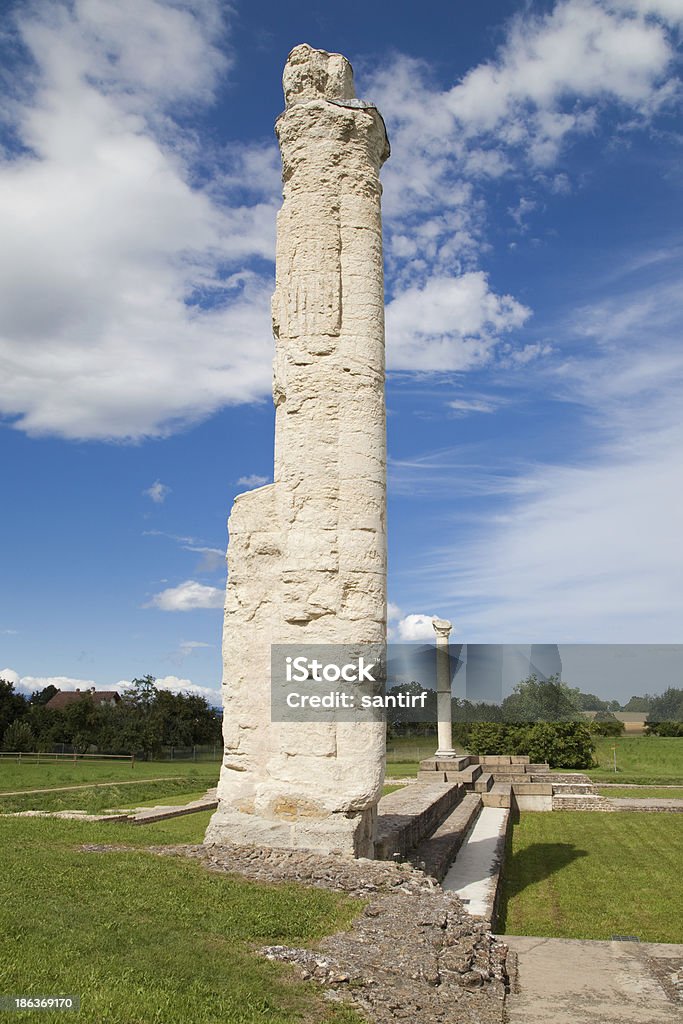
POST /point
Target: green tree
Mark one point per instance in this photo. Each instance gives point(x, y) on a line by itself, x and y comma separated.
point(12, 705)
point(591, 702)
point(639, 703)
point(44, 695)
point(535, 700)
point(668, 707)
point(80, 724)
point(18, 736)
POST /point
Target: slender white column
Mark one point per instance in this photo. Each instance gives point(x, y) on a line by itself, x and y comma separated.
point(442, 628)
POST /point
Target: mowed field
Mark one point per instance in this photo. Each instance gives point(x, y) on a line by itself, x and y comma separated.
point(641, 759)
point(27, 774)
point(587, 875)
point(148, 939)
point(101, 786)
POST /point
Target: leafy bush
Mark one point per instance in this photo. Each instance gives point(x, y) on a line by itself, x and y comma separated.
point(606, 726)
point(664, 729)
point(561, 744)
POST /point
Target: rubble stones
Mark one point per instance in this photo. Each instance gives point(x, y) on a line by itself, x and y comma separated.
point(412, 954)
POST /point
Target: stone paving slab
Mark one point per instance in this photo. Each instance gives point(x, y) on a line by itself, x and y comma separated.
point(575, 981)
point(474, 874)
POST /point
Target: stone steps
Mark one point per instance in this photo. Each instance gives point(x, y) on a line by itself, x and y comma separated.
point(435, 854)
point(410, 814)
point(499, 795)
point(484, 783)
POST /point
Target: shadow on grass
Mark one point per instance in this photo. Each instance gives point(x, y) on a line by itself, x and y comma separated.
point(530, 865)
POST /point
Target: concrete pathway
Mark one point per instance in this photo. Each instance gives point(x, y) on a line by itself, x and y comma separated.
point(573, 981)
point(649, 803)
point(474, 874)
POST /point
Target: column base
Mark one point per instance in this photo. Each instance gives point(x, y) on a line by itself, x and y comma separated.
point(348, 834)
point(445, 753)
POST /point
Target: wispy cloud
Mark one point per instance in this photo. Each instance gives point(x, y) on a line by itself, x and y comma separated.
point(587, 549)
point(464, 406)
point(158, 492)
point(253, 480)
point(187, 647)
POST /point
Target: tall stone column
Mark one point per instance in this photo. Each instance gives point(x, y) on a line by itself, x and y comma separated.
point(307, 554)
point(442, 628)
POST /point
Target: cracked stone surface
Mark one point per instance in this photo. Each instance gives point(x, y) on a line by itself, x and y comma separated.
point(307, 553)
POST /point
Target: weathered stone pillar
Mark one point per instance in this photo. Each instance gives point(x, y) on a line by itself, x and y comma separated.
point(307, 554)
point(442, 628)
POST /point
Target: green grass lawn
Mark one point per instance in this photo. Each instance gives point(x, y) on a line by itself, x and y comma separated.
point(152, 940)
point(642, 793)
point(644, 759)
point(391, 789)
point(587, 875)
point(16, 775)
point(180, 790)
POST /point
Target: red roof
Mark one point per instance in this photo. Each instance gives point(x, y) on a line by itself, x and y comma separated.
point(65, 697)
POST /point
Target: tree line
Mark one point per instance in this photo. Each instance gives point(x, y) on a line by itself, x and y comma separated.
point(143, 722)
point(541, 718)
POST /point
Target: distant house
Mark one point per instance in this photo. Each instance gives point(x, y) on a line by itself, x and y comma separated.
point(63, 698)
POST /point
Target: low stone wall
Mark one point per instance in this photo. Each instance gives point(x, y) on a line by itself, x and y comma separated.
point(435, 854)
point(581, 803)
point(409, 815)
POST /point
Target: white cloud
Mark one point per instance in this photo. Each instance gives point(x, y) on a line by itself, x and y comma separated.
point(140, 327)
point(393, 612)
point(253, 480)
point(10, 676)
point(179, 685)
point(521, 210)
point(450, 323)
point(551, 80)
point(158, 492)
point(413, 627)
point(30, 683)
point(187, 596)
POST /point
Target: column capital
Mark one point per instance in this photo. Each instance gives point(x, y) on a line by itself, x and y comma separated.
point(442, 627)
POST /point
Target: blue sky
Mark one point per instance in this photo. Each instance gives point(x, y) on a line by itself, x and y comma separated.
point(533, 248)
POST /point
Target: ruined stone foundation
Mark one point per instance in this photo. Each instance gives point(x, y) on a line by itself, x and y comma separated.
point(307, 554)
